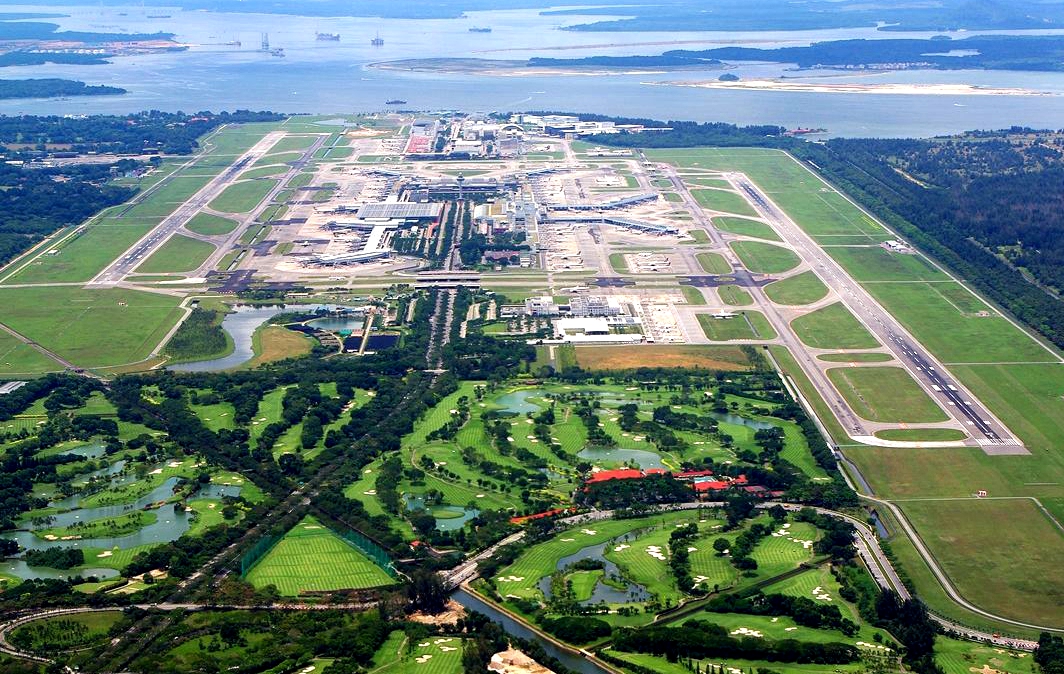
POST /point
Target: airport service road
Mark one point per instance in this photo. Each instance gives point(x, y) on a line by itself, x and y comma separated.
point(151, 241)
point(839, 408)
point(984, 428)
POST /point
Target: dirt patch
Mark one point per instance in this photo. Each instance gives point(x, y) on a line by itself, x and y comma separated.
point(452, 613)
point(635, 356)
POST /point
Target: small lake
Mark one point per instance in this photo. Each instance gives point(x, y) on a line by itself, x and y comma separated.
point(741, 421)
point(90, 451)
point(603, 455)
point(416, 502)
point(517, 402)
point(19, 567)
point(602, 591)
point(241, 325)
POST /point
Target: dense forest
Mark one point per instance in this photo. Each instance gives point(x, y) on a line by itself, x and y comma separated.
point(168, 132)
point(1044, 53)
point(36, 202)
point(47, 87)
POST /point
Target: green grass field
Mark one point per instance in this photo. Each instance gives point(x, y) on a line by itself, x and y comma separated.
point(995, 550)
point(310, 557)
point(86, 254)
point(210, 225)
point(921, 434)
point(746, 227)
point(765, 258)
point(693, 295)
point(431, 655)
point(279, 158)
point(265, 172)
point(734, 296)
point(833, 327)
point(663, 666)
point(875, 263)
point(870, 357)
point(746, 325)
point(945, 318)
point(804, 288)
point(724, 201)
point(17, 358)
point(884, 393)
point(91, 328)
point(179, 253)
point(961, 657)
point(242, 197)
point(713, 263)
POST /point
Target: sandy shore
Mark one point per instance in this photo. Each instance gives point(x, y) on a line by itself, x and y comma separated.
point(882, 88)
point(505, 68)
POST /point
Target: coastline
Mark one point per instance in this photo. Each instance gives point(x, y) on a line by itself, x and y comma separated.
point(895, 89)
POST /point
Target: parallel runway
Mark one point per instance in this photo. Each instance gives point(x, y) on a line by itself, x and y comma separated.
point(985, 429)
point(141, 250)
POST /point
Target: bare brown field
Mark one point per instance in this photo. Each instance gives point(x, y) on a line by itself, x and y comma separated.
point(630, 357)
point(277, 343)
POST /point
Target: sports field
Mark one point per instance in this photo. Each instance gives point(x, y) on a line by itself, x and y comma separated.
point(765, 258)
point(833, 327)
point(804, 288)
point(746, 325)
point(311, 558)
point(887, 394)
point(995, 550)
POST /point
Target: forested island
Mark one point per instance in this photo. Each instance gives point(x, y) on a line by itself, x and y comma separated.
point(49, 87)
point(1040, 53)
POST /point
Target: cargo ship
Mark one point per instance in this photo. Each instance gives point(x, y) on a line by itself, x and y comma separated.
point(474, 29)
point(327, 37)
point(395, 101)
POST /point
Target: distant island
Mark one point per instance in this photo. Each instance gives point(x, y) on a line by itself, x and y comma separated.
point(987, 52)
point(51, 87)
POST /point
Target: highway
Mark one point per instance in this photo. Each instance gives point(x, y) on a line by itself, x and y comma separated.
point(150, 242)
point(986, 430)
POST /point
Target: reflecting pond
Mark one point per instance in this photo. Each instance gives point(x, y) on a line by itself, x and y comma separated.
point(417, 502)
point(741, 421)
point(604, 455)
point(517, 402)
point(338, 323)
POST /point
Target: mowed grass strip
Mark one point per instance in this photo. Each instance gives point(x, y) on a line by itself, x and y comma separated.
point(91, 328)
point(921, 434)
point(955, 325)
point(310, 557)
point(886, 394)
point(242, 197)
point(745, 325)
point(86, 254)
point(804, 288)
point(1003, 555)
point(765, 258)
point(660, 355)
point(875, 263)
point(833, 327)
point(724, 201)
point(713, 263)
point(746, 227)
point(210, 225)
point(179, 253)
point(871, 357)
point(734, 296)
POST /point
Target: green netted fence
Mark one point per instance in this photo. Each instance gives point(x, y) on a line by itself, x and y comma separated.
point(257, 552)
point(370, 549)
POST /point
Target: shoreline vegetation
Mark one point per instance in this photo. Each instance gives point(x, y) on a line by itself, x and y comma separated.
point(51, 87)
point(889, 88)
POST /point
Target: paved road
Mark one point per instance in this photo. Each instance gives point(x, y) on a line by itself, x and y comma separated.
point(987, 431)
point(154, 239)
